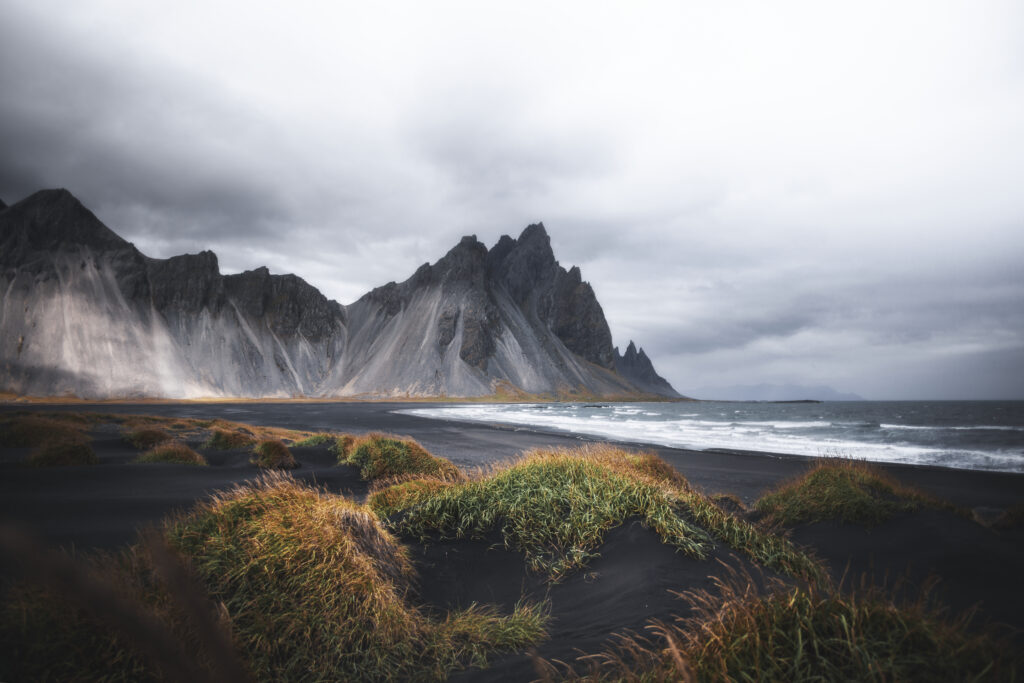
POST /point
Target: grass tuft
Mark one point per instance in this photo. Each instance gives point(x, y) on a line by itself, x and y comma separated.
point(736, 632)
point(307, 586)
point(317, 587)
point(146, 437)
point(316, 440)
point(391, 497)
point(380, 456)
point(172, 452)
point(34, 430)
point(556, 506)
point(850, 491)
point(227, 439)
point(63, 453)
point(342, 447)
point(273, 454)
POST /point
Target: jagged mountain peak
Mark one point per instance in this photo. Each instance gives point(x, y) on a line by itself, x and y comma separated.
point(635, 366)
point(3, 205)
point(465, 262)
point(51, 219)
point(632, 352)
point(534, 231)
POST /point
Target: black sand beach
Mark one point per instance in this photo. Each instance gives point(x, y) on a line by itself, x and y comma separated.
point(102, 506)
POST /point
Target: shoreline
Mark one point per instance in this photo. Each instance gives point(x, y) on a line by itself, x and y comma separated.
point(470, 444)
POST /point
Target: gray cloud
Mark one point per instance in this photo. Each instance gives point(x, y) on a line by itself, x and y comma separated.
point(794, 194)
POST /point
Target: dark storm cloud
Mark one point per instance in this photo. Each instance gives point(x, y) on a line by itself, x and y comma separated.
point(147, 152)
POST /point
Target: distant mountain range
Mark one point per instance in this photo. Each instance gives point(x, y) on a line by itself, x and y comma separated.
point(773, 392)
point(85, 313)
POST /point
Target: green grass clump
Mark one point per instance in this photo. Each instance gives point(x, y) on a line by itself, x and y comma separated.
point(379, 456)
point(556, 506)
point(63, 453)
point(390, 499)
point(316, 440)
point(273, 454)
point(306, 586)
point(173, 452)
point(224, 439)
point(845, 490)
point(146, 437)
point(738, 633)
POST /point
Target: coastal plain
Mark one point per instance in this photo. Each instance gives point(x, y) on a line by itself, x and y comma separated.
point(629, 583)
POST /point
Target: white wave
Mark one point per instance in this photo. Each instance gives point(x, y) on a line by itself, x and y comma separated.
point(774, 424)
point(756, 436)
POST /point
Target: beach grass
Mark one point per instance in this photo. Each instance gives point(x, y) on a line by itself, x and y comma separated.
point(306, 585)
point(381, 456)
point(273, 454)
point(390, 496)
point(228, 439)
point(172, 452)
point(56, 440)
point(35, 430)
point(740, 631)
point(63, 453)
point(850, 491)
point(146, 437)
point(316, 440)
point(556, 506)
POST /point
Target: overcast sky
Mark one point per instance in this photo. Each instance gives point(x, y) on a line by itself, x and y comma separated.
point(786, 192)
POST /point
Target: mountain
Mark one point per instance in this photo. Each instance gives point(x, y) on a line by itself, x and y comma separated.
point(85, 313)
point(637, 367)
point(774, 392)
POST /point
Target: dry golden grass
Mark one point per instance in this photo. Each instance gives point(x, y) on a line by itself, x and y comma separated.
point(273, 454)
point(849, 491)
point(224, 439)
point(744, 631)
point(146, 437)
point(172, 452)
point(304, 585)
point(56, 440)
point(62, 453)
point(388, 496)
point(35, 430)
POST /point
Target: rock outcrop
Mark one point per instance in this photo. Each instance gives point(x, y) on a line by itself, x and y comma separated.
point(636, 367)
point(85, 313)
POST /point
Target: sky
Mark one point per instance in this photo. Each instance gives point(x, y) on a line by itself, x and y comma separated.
point(789, 192)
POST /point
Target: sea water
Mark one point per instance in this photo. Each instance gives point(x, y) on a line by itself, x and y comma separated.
point(983, 435)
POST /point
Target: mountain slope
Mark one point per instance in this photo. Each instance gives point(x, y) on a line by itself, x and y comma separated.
point(85, 313)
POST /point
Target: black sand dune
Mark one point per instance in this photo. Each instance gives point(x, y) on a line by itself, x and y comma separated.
point(974, 565)
point(102, 506)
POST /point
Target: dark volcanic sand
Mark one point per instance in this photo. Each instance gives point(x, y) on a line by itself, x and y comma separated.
point(103, 505)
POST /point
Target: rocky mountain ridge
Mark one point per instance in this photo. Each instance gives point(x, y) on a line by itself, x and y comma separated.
point(85, 313)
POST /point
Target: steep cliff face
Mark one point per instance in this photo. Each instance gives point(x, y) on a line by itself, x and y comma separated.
point(85, 313)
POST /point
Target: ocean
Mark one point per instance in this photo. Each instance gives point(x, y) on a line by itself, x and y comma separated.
point(981, 435)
